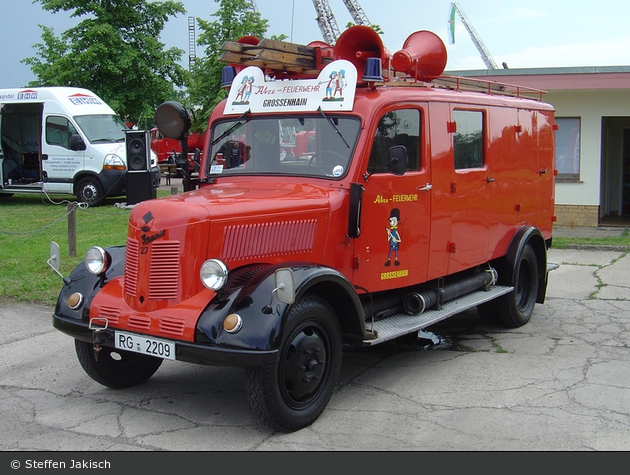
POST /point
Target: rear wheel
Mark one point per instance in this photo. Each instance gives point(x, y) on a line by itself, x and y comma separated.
point(515, 309)
point(116, 368)
point(292, 393)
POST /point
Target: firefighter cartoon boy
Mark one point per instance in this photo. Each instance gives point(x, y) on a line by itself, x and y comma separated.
point(393, 236)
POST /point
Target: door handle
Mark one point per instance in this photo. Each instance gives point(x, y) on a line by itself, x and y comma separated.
point(426, 187)
point(489, 180)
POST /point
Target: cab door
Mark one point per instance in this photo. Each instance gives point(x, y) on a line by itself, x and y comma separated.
point(392, 248)
point(59, 162)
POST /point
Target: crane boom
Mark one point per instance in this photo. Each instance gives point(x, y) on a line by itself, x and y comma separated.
point(356, 12)
point(485, 55)
point(326, 21)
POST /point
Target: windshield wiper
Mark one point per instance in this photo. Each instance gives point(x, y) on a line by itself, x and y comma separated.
point(333, 124)
point(232, 128)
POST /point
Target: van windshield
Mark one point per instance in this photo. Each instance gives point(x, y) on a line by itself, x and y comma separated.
point(281, 145)
point(102, 128)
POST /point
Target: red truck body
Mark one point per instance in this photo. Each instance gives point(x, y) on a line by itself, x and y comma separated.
point(166, 148)
point(404, 201)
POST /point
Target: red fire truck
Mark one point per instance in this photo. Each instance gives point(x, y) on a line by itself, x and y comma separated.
point(419, 196)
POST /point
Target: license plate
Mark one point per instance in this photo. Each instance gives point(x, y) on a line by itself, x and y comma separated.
point(144, 345)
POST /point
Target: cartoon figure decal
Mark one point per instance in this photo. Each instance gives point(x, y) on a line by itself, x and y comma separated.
point(244, 91)
point(393, 236)
point(336, 84)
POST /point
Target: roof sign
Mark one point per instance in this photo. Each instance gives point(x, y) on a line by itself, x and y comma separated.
point(332, 90)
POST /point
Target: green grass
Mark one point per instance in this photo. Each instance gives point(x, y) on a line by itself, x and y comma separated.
point(622, 241)
point(28, 223)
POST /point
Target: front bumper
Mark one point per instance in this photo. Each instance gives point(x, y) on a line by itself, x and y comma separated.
point(206, 354)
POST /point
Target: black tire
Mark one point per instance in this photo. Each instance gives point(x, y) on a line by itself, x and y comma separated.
point(515, 309)
point(114, 368)
point(292, 393)
point(90, 191)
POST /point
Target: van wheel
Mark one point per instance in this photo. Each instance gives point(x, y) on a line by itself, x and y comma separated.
point(114, 368)
point(90, 191)
point(292, 393)
point(515, 309)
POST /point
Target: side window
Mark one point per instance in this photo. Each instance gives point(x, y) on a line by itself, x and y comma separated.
point(58, 131)
point(468, 140)
point(399, 127)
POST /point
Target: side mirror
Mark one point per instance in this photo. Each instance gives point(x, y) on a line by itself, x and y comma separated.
point(77, 143)
point(285, 286)
point(397, 163)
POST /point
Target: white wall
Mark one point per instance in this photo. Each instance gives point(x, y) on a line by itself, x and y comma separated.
point(590, 106)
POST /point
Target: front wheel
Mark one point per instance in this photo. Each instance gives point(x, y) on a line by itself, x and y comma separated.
point(292, 393)
point(90, 191)
point(515, 309)
point(116, 369)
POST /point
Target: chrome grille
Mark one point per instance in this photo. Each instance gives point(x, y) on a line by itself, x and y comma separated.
point(139, 322)
point(131, 266)
point(269, 239)
point(110, 313)
point(165, 263)
point(172, 326)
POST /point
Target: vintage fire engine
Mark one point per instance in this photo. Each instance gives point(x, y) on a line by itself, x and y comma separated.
point(417, 196)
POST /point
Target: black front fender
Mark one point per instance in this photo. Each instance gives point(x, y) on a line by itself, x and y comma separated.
point(250, 294)
point(88, 284)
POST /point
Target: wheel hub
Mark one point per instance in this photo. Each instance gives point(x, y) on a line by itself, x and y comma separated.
point(304, 366)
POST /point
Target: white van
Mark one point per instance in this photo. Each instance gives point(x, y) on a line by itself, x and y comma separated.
point(63, 140)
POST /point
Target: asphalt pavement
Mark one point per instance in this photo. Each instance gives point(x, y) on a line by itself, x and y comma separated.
point(559, 383)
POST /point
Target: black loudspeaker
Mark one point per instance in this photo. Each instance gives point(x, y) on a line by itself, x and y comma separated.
point(138, 148)
point(140, 187)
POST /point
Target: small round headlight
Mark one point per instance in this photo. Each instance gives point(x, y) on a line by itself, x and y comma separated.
point(213, 274)
point(96, 260)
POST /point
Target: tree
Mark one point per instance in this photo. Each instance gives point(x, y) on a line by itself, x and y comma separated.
point(236, 19)
point(115, 52)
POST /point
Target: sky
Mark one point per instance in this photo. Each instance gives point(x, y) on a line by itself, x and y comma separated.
point(532, 34)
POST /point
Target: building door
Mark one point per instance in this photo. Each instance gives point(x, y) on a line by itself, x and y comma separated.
point(625, 175)
point(615, 177)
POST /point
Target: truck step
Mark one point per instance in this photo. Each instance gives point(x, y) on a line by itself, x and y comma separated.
point(402, 323)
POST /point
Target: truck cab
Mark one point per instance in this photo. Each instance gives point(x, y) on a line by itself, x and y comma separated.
point(416, 197)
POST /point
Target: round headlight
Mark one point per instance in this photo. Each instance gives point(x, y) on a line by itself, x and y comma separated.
point(213, 274)
point(96, 260)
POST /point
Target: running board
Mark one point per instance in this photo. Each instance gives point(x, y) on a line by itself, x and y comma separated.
point(402, 324)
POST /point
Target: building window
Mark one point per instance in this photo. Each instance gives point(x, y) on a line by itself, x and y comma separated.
point(468, 139)
point(568, 148)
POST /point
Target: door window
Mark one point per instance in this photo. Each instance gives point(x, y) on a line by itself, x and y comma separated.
point(399, 127)
point(58, 131)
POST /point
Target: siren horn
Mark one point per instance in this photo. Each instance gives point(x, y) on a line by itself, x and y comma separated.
point(422, 56)
point(357, 44)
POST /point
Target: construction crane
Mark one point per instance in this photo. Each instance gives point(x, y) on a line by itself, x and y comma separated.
point(328, 23)
point(192, 42)
point(485, 55)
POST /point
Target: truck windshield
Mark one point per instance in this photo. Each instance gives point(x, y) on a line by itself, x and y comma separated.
point(297, 145)
point(102, 128)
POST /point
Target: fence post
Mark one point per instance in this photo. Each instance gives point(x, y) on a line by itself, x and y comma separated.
point(72, 229)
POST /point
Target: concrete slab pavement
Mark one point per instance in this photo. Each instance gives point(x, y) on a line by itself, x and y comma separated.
point(558, 383)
